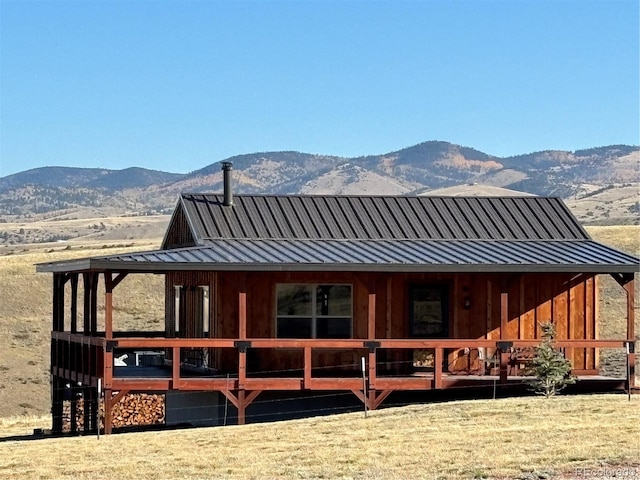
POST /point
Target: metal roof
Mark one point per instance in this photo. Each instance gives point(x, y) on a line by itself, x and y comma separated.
point(370, 255)
point(378, 217)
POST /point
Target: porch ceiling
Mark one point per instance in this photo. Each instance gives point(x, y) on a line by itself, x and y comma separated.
point(369, 255)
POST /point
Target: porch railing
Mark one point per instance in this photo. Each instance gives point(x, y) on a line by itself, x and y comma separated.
point(84, 359)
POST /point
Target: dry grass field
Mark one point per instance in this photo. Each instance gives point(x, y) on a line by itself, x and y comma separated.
point(25, 316)
point(524, 438)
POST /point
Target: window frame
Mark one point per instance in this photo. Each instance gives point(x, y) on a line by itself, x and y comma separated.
point(314, 311)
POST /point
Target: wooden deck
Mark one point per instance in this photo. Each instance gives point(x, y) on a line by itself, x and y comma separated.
point(89, 361)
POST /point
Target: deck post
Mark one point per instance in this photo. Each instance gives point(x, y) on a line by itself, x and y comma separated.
point(74, 408)
point(307, 367)
point(57, 406)
point(241, 408)
point(175, 367)
point(108, 407)
point(437, 367)
point(86, 401)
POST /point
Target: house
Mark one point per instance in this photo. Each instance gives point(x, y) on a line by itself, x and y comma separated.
point(297, 293)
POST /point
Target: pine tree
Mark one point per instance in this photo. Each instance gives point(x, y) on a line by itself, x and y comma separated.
point(551, 371)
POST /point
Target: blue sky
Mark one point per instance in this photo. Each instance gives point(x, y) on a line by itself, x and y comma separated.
point(178, 85)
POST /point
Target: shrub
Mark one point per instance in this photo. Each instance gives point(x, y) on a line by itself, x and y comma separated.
point(550, 370)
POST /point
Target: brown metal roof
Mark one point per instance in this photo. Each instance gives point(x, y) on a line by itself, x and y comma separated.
point(574, 256)
point(377, 217)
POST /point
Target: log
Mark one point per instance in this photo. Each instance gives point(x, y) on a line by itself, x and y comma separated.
point(133, 409)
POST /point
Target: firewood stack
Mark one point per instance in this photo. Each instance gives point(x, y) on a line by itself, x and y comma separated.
point(132, 410)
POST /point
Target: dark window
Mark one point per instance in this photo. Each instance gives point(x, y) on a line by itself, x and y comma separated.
point(313, 311)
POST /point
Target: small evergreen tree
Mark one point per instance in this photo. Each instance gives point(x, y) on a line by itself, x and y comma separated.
point(551, 371)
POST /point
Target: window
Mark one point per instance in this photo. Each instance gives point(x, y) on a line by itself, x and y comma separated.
point(313, 311)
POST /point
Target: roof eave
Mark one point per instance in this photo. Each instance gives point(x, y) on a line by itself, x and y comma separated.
point(155, 267)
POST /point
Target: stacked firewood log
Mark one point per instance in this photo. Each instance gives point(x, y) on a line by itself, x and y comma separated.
point(133, 409)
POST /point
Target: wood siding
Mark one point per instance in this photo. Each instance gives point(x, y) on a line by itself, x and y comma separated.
point(566, 300)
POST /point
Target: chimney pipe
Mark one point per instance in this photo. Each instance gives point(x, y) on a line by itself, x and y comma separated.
point(227, 168)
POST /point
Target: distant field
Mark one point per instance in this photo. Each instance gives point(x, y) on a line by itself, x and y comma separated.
point(25, 309)
point(522, 438)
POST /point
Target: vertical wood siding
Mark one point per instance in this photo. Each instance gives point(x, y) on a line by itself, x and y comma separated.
point(566, 300)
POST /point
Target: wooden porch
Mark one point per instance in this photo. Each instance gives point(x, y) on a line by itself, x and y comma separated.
point(89, 361)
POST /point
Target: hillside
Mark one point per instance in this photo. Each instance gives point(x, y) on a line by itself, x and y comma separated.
point(607, 179)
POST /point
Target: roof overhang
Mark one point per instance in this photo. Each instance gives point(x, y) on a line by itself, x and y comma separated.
point(455, 256)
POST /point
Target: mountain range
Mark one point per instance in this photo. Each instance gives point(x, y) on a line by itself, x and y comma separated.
point(421, 169)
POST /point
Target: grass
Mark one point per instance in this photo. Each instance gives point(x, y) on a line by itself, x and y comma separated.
point(505, 438)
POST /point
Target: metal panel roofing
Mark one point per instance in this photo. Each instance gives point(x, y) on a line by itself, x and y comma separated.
point(371, 255)
point(379, 217)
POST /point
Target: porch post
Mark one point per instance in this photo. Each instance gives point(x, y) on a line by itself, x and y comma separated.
point(242, 349)
point(629, 287)
point(371, 335)
point(74, 303)
point(108, 306)
point(87, 279)
point(504, 319)
point(95, 278)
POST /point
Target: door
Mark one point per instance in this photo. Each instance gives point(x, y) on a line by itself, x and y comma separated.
point(428, 318)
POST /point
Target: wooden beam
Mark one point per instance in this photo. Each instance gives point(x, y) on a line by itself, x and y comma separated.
point(231, 397)
point(381, 397)
point(119, 277)
point(118, 396)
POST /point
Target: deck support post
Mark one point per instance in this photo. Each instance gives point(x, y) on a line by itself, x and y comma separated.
point(86, 410)
point(108, 407)
point(437, 367)
point(241, 400)
point(74, 409)
point(57, 406)
point(373, 399)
